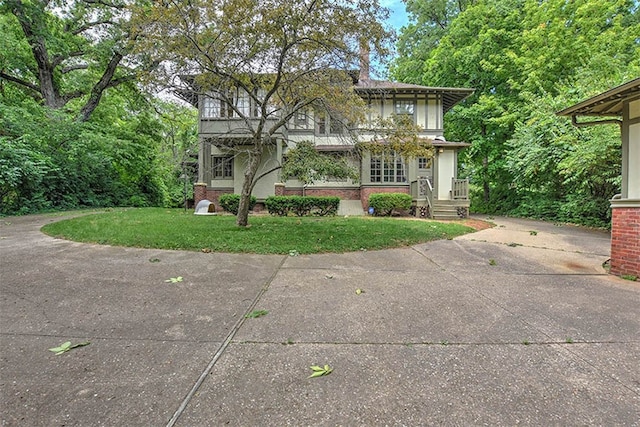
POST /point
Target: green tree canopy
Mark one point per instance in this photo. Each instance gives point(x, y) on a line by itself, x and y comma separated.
point(66, 54)
point(524, 58)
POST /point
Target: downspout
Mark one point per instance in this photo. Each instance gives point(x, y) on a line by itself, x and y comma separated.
point(574, 121)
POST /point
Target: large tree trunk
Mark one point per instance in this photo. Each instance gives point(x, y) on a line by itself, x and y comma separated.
point(242, 219)
point(33, 29)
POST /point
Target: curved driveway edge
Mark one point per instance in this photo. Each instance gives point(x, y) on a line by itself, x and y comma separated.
point(517, 324)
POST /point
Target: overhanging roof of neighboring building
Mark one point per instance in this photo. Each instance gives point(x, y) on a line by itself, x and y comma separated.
point(450, 95)
point(608, 103)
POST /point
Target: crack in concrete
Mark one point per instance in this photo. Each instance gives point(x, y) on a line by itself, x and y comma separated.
point(222, 348)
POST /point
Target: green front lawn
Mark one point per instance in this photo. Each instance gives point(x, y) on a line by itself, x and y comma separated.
point(174, 229)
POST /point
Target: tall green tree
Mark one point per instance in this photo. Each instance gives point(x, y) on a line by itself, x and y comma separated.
point(289, 57)
point(429, 22)
point(524, 58)
point(66, 54)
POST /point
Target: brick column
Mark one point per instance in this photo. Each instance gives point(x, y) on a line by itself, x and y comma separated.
point(279, 189)
point(625, 238)
point(199, 192)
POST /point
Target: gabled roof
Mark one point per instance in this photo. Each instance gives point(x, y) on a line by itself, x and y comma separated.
point(608, 103)
point(450, 95)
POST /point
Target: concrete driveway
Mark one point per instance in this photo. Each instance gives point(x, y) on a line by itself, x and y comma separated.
point(518, 324)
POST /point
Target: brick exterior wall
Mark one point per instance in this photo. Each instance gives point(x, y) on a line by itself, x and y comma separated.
point(625, 241)
point(292, 192)
point(365, 192)
point(201, 192)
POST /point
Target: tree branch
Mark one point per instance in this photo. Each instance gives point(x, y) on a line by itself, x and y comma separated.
point(256, 179)
point(88, 26)
point(21, 82)
point(58, 59)
point(96, 92)
point(105, 3)
point(70, 68)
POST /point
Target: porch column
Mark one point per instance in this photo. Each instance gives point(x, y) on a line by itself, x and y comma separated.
point(625, 237)
point(199, 192)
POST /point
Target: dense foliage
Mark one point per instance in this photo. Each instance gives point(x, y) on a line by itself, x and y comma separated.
point(528, 59)
point(231, 202)
point(384, 204)
point(302, 205)
point(125, 155)
point(72, 136)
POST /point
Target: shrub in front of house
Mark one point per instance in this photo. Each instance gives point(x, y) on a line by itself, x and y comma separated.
point(231, 202)
point(384, 204)
point(302, 205)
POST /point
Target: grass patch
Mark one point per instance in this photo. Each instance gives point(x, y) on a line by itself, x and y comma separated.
point(174, 229)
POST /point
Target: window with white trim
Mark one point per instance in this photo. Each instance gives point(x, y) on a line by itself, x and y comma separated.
point(217, 106)
point(243, 104)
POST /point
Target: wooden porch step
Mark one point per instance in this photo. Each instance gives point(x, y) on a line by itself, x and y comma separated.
point(448, 209)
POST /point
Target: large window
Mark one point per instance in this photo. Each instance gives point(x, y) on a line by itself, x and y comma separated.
point(222, 167)
point(387, 169)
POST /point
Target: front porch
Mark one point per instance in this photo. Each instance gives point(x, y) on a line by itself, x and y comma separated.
point(428, 205)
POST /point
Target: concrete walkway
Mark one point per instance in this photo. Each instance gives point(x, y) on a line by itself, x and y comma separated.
point(517, 324)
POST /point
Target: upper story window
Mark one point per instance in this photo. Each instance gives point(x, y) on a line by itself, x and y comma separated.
point(301, 118)
point(405, 106)
point(327, 125)
point(236, 104)
point(243, 104)
point(211, 108)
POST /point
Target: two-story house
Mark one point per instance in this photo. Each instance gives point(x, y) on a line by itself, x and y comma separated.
point(433, 182)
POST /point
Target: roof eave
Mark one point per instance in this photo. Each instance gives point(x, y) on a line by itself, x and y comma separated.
point(606, 104)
